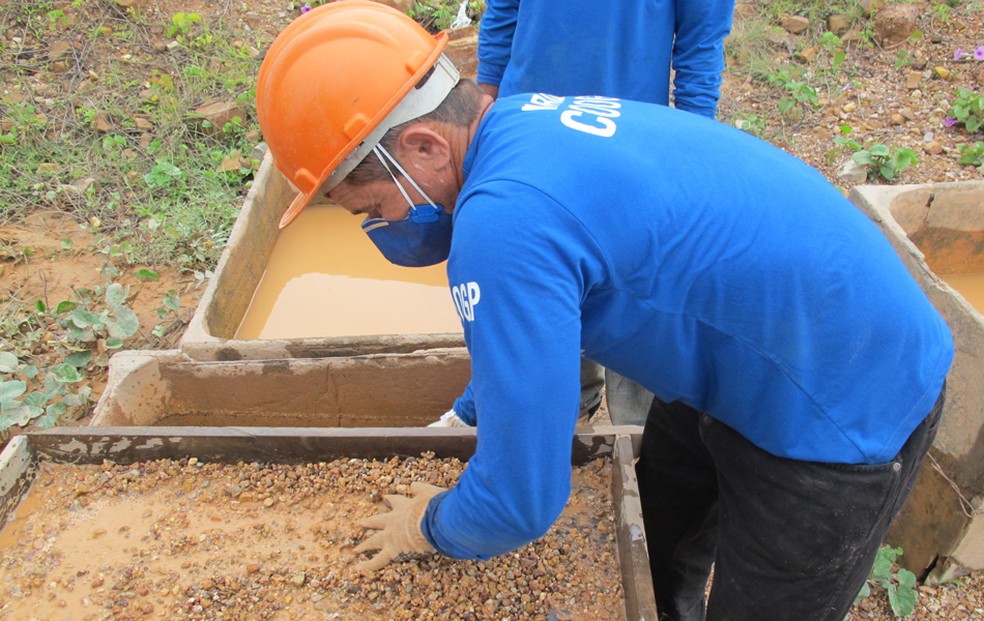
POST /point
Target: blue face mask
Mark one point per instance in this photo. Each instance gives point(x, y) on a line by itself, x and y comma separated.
point(422, 238)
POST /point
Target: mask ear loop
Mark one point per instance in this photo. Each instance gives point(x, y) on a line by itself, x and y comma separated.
point(384, 155)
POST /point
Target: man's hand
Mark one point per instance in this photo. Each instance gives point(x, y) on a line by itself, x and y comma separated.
point(399, 529)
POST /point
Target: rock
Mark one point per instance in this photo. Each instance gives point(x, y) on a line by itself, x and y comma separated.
point(897, 119)
point(100, 123)
point(895, 23)
point(48, 168)
point(794, 24)
point(852, 172)
point(852, 37)
point(59, 50)
point(218, 113)
point(807, 55)
point(838, 24)
point(933, 147)
point(913, 80)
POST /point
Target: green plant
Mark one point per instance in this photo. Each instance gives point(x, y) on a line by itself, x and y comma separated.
point(181, 24)
point(437, 15)
point(971, 155)
point(96, 323)
point(798, 95)
point(835, 47)
point(941, 11)
point(878, 159)
point(968, 108)
point(168, 310)
point(899, 584)
point(751, 123)
point(59, 392)
point(903, 59)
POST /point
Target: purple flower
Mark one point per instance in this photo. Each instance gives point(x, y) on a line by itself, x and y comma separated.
point(979, 52)
point(306, 8)
point(949, 121)
point(958, 54)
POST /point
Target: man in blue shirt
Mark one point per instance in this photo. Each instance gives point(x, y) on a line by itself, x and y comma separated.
point(799, 368)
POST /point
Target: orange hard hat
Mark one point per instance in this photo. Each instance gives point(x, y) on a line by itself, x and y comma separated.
point(335, 80)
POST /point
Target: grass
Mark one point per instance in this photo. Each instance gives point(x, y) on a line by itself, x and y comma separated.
point(114, 140)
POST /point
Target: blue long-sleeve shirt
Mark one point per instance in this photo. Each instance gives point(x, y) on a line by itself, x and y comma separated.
point(619, 48)
point(701, 262)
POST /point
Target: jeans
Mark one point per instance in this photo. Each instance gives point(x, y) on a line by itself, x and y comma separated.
point(788, 540)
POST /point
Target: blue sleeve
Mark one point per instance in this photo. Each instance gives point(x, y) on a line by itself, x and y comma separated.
point(698, 53)
point(518, 291)
point(495, 36)
point(464, 406)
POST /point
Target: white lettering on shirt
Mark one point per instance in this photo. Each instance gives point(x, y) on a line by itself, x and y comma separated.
point(542, 101)
point(590, 115)
point(466, 297)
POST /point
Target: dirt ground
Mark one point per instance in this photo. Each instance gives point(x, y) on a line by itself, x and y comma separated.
point(898, 95)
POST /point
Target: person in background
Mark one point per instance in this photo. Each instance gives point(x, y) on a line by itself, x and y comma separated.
point(799, 368)
point(622, 48)
point(626, 49)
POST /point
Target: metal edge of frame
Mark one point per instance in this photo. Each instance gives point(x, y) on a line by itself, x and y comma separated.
point(637, 581)
point(87, 445)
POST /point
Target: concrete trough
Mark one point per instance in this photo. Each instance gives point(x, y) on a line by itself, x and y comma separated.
point(127, 445)
point(938, 230)
point(212, 331)
point(155, 388)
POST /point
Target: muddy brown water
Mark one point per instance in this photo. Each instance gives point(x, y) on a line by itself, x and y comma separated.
point(326, 278)
point(970, 285)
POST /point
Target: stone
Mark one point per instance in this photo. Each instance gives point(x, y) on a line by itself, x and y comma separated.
point(913, 80)
point(852, 173)
point(218, 113)
point(794, 24)
point(895, 23)
point(808, 55)
point(59, 50)
point(838, 24)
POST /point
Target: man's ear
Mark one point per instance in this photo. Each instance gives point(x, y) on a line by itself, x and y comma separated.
point(423, 146)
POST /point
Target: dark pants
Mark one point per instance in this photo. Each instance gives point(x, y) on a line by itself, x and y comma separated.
point(789, 540)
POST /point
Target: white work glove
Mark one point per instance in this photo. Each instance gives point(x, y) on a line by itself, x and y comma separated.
point(399, 529)
point(449, 419)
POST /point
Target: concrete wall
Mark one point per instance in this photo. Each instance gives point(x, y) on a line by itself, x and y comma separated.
point(939, 228)
point(154, 388)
